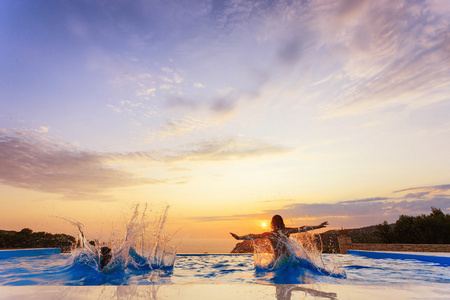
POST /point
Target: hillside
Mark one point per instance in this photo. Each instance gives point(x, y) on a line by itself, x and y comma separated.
point(26, 238)
point(358, 235)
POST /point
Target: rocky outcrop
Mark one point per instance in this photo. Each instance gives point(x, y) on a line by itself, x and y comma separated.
point(262, 245)
point(243, 247)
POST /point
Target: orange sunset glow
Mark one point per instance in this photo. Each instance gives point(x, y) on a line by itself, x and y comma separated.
point(228, 113)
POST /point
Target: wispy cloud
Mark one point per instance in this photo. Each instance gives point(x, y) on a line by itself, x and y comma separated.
point(210, 151)
point(177, 127)
point(33, 163)
point(378, 54)
point(354, 213)
point(381, 55)
point(376, 199)
point(231, 149)
point(36, 162)
point(429, 189)
point(366, 212)
point(138, 112)
point(393, 56)
point(375, 55)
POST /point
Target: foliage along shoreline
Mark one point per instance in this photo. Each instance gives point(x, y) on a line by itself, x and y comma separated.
point(422, 229)
point(26, 238)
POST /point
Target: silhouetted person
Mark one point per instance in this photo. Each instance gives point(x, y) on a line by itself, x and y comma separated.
point(279, 236)
point(105, 257)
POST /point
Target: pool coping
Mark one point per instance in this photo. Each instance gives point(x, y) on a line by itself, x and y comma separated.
point(440, 258)
point(230, 291)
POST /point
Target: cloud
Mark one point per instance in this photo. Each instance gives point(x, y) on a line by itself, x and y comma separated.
point(392, 55)
point(417, 195)
point(434, 188)
point(176, 127)
point(377, 54)
point(30, 162)
point(290, 52)
point(174, 77)
point(216, 103)
point(364, 200)
point(230, 149)
point(146, 92)
point(365, 212)
point(219, 103)
point(174, 102)
point(354, 213)
point(387, 53)
point(223, 104)
point(138, 112)
point(350, 9)
point(35, 162)
point(210, 151)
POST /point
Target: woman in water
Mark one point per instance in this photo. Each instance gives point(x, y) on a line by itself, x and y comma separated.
point(279, 236)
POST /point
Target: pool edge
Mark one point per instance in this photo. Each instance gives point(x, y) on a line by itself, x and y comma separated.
point(443, 260)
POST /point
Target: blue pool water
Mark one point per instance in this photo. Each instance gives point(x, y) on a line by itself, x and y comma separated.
point(145, 256)
point(62, 269)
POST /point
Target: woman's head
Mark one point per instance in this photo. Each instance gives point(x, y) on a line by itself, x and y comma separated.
point(277, 223)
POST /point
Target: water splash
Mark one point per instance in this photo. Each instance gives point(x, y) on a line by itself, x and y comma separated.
point(144, 247)
point(303, 259)
point(148, 244)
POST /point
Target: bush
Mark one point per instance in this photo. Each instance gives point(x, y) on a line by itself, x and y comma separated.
point(26, 238)
point(423, 229)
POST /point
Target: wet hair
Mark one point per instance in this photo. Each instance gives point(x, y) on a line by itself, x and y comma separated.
point(277, 223)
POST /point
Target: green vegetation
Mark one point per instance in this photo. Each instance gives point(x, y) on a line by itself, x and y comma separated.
point(26, 238)
point(423, 229)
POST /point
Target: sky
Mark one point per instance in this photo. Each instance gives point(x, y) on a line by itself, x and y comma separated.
point(227, 111)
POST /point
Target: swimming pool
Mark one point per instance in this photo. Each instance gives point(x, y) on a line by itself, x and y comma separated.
point(218, 269)
point(144, 264)
point(223, 276)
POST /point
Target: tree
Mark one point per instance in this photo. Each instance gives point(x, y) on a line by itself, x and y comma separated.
point(384, 233)
point(423, 229)
point(26, 231)
point(26, 238)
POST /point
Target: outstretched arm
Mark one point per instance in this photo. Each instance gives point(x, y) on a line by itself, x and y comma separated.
point(307, 228)
point(249, 236)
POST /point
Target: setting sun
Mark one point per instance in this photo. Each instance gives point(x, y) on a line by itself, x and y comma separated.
point(230, 113)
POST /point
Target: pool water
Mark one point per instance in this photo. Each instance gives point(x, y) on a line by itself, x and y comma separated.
point(63, 269)
point(144, 264)
point(227, 269)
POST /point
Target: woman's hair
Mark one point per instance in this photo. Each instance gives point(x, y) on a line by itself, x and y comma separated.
point(277, 223)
